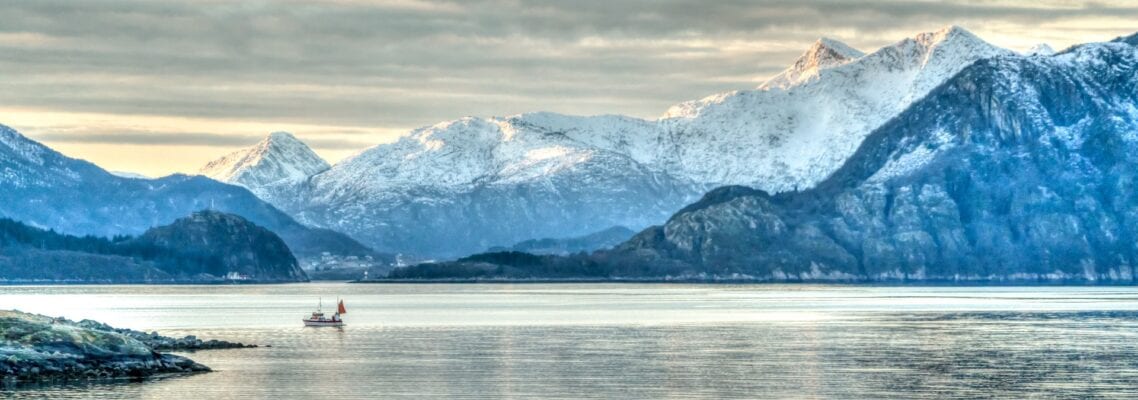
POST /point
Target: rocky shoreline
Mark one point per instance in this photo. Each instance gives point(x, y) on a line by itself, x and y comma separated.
point(37, 348)
point(163, 343)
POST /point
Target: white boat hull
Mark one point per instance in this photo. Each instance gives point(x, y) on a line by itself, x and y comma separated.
point(309, 322)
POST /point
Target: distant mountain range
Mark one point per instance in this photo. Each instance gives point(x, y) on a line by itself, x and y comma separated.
point(1017, 169)
point(939, 157)
point(46, 189)
point(207, 246)
point(466, 185)
point(605, 239)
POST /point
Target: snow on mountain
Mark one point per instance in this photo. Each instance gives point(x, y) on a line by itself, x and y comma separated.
point(278, 162)
point(1015, 169)
point(25, 163)
point(1042, 49)
point(787, 134)
point(825, 53)
point(789, 137)
point(17, 147)
point(466, 185)
point(47, 189)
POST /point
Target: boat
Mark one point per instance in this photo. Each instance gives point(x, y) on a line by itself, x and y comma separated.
point(318, 318)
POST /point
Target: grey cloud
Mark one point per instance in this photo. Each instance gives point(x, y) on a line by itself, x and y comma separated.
point(397, 66)
point(148, 138)
point(142, 137)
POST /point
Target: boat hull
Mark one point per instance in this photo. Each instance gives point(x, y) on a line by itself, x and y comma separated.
point(308, 322)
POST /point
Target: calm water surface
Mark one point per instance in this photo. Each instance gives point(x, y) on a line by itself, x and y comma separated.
point(623, 340)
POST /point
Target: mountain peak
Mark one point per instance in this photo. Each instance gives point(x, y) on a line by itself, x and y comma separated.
point(282, 137)
point(279, 139)
point(279, 159)
point(945, 50)
point(1042, 49)
point(832, 49)
point(945, 34)
point(951, 35)
point(824, 53)
point(1132, 39)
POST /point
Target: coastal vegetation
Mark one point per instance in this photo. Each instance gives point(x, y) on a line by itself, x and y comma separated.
point(207, 246)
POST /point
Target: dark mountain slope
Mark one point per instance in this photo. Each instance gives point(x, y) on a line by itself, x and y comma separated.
point(205, 247)
point(47, 189)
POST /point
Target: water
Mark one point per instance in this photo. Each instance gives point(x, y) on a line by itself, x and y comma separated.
point(623, 340)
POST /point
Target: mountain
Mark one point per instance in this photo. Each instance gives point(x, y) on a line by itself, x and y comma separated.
point(29, 254)
point(49, 190)
point(241, 247)
point(1018, 169)
point(1132, 39)
point(270, 168)
point(825, 53)
point(790, 136)
point(1042, 49)
point(605, 239)
point(208, 246)
point(465, 185)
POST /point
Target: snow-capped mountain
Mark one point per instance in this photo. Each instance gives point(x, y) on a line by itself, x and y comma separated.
point(46, 189)
point(268, 168)
point(1042, 49)
point(1016, 169)
point(791, 134)
point(465, 185)
point(825, 53)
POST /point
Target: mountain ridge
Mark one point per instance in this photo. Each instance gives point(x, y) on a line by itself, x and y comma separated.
point(50, 190)
point(541, 166)
point(824, 53)
point(1016, 170)
point(938, 218)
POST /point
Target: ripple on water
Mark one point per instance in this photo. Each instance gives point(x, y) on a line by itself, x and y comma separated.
point(637, 341)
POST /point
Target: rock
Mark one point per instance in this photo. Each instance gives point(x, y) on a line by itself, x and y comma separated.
point(39, 348)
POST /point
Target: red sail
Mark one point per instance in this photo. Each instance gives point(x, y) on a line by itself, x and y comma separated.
point(341, 309)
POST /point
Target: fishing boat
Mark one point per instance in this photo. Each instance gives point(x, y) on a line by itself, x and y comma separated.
point(318, 318)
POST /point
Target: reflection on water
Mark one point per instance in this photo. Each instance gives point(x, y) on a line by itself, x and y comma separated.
point(625, 341)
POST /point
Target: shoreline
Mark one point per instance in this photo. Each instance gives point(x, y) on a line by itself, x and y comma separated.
point(143, 283)
point(37, 349)
point(929, 283)
point(751, 282)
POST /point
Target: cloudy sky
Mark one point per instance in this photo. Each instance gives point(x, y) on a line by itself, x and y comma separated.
point(157, 87)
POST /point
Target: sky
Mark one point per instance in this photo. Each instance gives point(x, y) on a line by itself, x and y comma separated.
point(157, 87)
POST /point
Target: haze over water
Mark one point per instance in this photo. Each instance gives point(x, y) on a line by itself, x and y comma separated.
point(624, 340)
